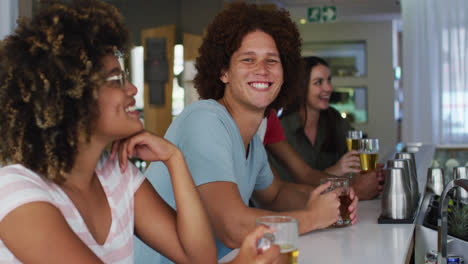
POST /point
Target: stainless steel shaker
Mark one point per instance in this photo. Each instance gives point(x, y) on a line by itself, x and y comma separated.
point(410, 181)
point(461, 172)
point(412, 168)
point(396, 196)
point(435, 180)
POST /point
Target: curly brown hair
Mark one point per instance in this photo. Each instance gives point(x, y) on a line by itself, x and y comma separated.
point(50, 74)
point(224, 36)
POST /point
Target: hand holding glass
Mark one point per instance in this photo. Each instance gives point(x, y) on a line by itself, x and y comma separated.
point(368, 153)
point(286, 236)
point(340, 184)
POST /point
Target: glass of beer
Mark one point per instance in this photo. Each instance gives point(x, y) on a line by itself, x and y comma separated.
point(368, 153)
point(352, 139)
point(341, 184)
point(285, 235)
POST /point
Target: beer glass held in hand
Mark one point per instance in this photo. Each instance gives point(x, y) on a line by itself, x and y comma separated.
point(285, 235)
point(352, 139)
point(340, 184)
point(352, 142)
point(368, 153)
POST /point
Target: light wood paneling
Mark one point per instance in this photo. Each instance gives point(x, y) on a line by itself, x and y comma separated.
point(192, 43)
point(158, 118)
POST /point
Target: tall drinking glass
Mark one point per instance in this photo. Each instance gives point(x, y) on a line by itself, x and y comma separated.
point(342, 184)
point(352, 139)
point(285, 235)
point(352, 142)
point(368, 153)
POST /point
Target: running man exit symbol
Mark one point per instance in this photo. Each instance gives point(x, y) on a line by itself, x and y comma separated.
point(319, 14)
point(315, 14)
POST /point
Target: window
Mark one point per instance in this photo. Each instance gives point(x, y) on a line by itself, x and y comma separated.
point(351, 102)
point(346, 58)
point(454, 90)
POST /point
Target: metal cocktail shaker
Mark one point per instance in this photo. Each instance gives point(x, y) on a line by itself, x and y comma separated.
point(412, 171)
point(396, 196)
point(461, 172)
point(410, 181)
point(435, 181)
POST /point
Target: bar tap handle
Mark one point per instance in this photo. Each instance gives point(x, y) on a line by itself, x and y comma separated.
point(442, 222)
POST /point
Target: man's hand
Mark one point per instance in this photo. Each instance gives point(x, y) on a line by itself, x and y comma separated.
point(326, 207)
point(353, 207)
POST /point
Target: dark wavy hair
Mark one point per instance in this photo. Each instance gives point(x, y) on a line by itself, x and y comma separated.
point(50, 74)
point(224, 36)
point(300, 100)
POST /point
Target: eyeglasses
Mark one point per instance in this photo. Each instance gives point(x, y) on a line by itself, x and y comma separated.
point(119, 80)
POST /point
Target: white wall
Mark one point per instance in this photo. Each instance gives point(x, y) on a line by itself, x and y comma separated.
point(379, 80)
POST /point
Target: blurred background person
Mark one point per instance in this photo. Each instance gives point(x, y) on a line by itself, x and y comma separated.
point(315, 137)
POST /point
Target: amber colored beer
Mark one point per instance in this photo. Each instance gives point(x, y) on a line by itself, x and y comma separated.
point(344, 220)
point(368, 161)
point(352, 143)
point(289, 254)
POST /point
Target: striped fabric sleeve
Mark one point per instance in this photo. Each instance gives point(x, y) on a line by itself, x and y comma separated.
point(18, 186)
point(136, 176)
point(129, 180)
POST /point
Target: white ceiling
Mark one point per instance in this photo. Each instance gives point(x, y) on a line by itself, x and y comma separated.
point(347, 10)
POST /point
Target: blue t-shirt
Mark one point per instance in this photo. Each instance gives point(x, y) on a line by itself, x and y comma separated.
point(214, 151)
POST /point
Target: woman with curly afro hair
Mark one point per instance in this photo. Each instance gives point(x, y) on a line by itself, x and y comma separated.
point(249, 63)
point(64, 198)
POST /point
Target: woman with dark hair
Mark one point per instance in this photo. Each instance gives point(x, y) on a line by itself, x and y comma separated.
point(317, 132)
point(64, 198)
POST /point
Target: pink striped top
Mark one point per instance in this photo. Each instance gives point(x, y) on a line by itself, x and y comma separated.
point(19, 185)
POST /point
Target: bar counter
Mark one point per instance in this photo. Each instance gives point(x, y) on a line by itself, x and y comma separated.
point(366, 241)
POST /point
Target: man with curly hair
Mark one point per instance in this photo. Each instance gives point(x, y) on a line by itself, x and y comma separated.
point(64, 197)
point(249, 63)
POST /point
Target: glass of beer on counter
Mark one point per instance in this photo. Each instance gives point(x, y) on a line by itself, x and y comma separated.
point(340, 184)
point(285, 235)
point(352, 139)
point(368, 153)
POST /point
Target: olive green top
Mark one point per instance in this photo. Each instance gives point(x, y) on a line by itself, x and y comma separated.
point(317, 155)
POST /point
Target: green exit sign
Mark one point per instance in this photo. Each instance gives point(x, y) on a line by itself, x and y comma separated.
point(320, 14)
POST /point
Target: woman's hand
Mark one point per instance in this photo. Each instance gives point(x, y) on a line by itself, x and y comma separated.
point(348, 163)
point(143, 145)
point(381, 175)
point(249, 254)
point(367, 184)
